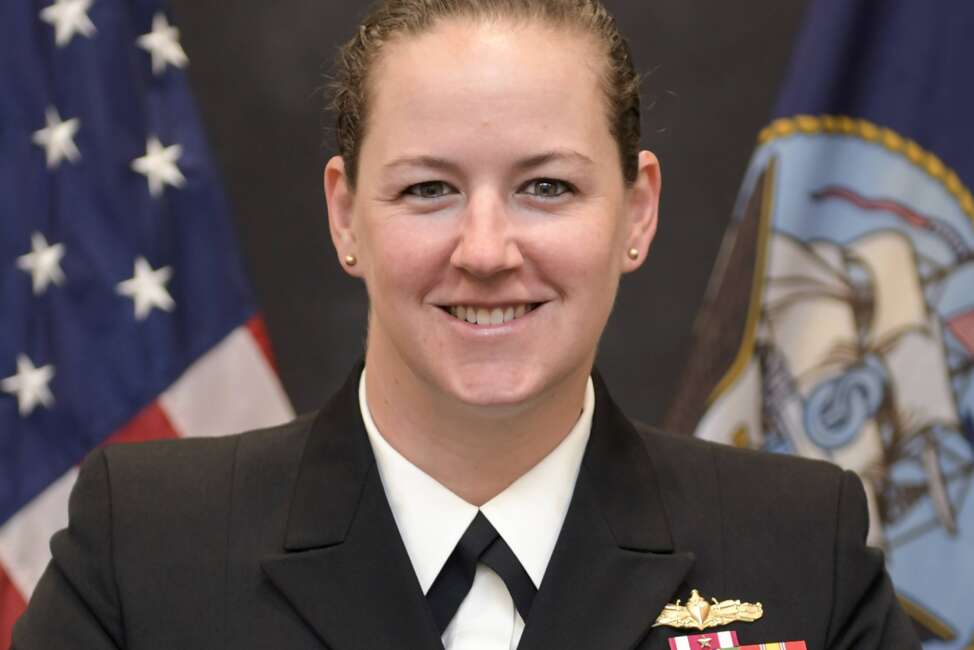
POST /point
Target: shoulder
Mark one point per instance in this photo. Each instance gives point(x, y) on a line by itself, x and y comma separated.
point(734, 462)
point(172, 510)
point(750, 484)
point(199, 457)
point(193, 474)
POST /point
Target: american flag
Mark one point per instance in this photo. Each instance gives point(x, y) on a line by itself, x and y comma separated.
point(125, 312)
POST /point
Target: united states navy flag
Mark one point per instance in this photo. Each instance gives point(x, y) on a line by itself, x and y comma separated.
point(125, 313)
point(845, 289)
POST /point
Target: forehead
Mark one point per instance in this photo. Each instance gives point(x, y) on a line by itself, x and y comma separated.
point(467, 82)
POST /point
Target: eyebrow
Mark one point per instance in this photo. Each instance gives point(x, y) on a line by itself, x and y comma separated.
point(435, 162)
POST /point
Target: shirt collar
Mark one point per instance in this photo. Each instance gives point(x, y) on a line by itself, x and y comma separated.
point(528, 514)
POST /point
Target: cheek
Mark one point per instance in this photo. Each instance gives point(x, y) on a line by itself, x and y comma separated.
point(582, 254)
point(583, 271)
point(404, 257)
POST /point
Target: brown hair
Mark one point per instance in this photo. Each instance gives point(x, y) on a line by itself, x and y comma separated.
point(392, 18)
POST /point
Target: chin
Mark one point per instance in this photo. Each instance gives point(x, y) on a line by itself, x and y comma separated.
point(491, 397)
point(502, 387)
point(492, 387)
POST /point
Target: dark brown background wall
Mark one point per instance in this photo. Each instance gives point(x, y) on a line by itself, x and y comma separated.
point(258, 69)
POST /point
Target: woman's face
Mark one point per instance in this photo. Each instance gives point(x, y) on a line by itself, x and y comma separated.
point(490, 218)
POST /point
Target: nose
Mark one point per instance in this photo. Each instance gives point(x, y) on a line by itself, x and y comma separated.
point(487, 244)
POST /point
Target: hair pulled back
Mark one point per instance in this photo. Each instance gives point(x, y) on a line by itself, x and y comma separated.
point(390, 19)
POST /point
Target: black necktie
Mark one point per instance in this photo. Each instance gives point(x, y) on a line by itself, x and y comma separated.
point(481, 543)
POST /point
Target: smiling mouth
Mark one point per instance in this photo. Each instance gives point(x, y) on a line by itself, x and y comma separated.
point(489, 315)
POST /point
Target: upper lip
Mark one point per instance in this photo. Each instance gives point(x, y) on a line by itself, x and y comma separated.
point(489, 304)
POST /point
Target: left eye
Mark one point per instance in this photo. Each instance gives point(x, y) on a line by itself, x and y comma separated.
point(546, 188)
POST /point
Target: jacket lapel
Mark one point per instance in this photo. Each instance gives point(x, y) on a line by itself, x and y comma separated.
point(614, 567)
point(344, 568)
point(346, 572)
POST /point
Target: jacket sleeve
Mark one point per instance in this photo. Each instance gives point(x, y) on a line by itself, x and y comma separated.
point(865, 612)
point(75, 605)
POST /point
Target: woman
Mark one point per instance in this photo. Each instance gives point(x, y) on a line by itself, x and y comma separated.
point(474, 487)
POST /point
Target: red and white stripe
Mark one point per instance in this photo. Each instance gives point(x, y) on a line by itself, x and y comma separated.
point(712, 640)
point(231, 388)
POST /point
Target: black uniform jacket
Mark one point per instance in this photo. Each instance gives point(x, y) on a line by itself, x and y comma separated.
point(282, 539)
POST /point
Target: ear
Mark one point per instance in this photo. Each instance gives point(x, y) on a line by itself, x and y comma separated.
point(643, 211)
point(340, 200)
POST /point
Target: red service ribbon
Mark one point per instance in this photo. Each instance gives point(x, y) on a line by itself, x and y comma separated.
point(711, 641)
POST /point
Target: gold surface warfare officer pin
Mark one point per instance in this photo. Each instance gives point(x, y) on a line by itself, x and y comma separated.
point(699, 614)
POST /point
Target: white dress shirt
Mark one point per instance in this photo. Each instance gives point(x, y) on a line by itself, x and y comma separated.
point(528, 514)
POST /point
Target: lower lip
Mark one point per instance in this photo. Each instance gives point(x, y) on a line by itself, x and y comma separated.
point(491, 330)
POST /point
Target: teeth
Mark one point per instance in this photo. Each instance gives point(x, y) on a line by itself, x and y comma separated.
point(484, 316)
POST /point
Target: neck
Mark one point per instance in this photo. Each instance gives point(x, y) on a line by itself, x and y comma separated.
point(474, 451)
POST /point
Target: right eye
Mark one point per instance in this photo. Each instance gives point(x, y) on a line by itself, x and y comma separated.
point(429, 190)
